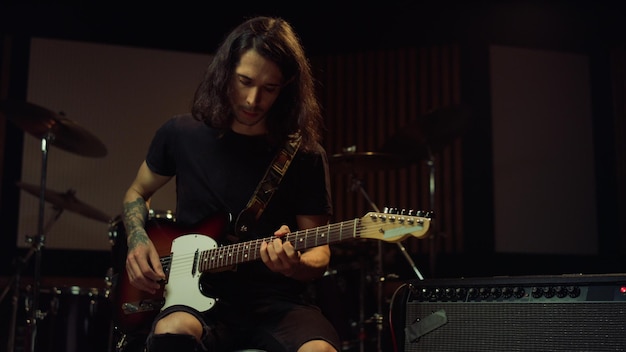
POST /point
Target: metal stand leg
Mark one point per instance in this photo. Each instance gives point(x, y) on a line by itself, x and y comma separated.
point(433, 237)
point(15, 282)
point(40, 243)
point(380, 278)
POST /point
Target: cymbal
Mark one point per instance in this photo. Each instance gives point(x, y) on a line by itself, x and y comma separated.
point(365, 162)
point(430, 132)
point(67, 201)
point(63, 132)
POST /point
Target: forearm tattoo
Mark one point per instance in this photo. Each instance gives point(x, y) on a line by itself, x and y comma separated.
point(135, 214)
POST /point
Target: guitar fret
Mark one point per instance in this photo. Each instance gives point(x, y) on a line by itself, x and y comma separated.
point(252, 251)
point(317, 235)
point(245, 253)
point(238, 252)
point(227, 256)
point(303, 235)
point(242, 249)
point(211, 259)
point(218, 257)
point(340, 231)
point(203, 260)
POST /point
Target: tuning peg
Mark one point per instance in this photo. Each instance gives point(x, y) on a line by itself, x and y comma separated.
point(387, 210)
point(409, 212)
point(425, 213)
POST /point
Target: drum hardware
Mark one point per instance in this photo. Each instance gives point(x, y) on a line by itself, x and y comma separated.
point(377, 317)
point(51, 128)
point(67, 200)
point(74, 319)
point(421, 139)
point(351, 162)
point(56, 130)
point(60, 202)
point(15, 281)
point(428, 134)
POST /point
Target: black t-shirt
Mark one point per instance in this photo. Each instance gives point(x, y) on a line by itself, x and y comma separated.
point(218, 173)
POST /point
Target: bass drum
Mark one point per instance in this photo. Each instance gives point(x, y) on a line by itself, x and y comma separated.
point(75, 319)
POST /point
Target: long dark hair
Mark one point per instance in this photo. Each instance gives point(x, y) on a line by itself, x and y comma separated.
point(295, 110)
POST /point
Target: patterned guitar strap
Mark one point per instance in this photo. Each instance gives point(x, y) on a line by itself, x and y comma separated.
point(268, 185)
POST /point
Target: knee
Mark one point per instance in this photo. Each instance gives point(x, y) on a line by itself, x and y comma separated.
point(317, 346)
point(179, 323)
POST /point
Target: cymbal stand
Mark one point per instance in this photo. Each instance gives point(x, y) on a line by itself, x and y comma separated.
point(34, 312)
point(15, 281)
point(378, 316)
point(431, 192)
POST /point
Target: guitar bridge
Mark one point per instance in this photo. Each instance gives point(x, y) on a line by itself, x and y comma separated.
point(142, 306)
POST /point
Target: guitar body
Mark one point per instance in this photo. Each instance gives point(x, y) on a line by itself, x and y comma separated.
point(133, 309)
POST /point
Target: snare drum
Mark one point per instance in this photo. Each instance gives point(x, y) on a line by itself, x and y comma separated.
point(74, 319)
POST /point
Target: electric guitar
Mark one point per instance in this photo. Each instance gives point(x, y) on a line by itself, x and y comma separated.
point(187, 253)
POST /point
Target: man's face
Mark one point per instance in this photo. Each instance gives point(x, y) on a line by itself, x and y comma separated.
point(256, 84)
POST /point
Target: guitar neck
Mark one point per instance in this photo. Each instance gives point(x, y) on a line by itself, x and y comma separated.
point(386, 227)
point(243, 252)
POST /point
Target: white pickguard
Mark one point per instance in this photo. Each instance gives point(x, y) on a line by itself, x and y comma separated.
point(183, 285)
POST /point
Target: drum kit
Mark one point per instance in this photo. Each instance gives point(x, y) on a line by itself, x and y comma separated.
point(418, 141)
point(50, 323)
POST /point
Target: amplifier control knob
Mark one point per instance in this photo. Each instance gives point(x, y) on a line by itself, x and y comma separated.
point(472, 293)
point(548, 292)
point(460, 293)
point(560, 291)
point(573, 291)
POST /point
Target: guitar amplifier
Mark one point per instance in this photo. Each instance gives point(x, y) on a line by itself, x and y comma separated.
point(526, 313)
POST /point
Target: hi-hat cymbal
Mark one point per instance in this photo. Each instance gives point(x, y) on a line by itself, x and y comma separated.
point(62, 132)
point(67, 201)
point(352, 162)
point(430, 132)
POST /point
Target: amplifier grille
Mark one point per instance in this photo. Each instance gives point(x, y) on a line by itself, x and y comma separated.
point(560, 313)
point(523, 327)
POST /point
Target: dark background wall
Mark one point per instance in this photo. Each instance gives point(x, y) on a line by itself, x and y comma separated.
point(457, 31)
point(446, 42)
